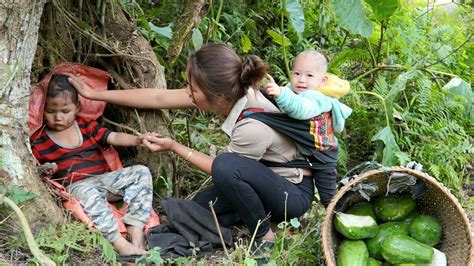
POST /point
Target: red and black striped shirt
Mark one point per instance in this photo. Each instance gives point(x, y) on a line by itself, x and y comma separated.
point(77, 163)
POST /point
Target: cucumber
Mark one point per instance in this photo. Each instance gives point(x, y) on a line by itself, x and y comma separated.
point(374, 262)
point(363, 208)
point(398, 249)
point(394, 207)
point(426, 229)
point(352, 253)
point(355, 227)
point(386, 229)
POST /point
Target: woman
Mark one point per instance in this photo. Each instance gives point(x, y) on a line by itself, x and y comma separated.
point(220, 81)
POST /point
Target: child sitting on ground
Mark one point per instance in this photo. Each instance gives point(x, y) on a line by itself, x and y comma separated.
point(74, 144)
point(301, 99)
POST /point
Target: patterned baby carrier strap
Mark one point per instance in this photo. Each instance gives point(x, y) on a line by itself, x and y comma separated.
point(314, 138)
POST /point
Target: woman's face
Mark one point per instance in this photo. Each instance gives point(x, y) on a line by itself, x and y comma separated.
point(198, 97)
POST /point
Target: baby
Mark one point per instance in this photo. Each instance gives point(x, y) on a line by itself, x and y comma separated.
point(302, 99)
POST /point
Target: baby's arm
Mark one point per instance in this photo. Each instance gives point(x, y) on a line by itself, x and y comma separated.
point(123, 139)
point(303, 106)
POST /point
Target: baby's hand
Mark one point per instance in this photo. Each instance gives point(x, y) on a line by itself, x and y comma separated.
point(271, 88)
point(47, 169)
point(142, 138)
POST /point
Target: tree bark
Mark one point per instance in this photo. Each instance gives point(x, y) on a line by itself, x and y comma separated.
point(19, 23)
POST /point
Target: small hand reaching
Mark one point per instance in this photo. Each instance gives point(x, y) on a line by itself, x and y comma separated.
point(47, 169)
point(271, 88)
point(156, 143)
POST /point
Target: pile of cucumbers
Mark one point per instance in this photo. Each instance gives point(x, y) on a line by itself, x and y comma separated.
point(388, 231)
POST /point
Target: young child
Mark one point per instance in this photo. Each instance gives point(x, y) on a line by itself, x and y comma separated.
point(74, 144)
point(301, 99)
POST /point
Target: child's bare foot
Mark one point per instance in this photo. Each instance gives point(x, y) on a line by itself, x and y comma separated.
point(137, 235)
point(124, 247)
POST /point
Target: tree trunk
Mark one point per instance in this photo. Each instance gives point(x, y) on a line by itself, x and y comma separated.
point(19, 23)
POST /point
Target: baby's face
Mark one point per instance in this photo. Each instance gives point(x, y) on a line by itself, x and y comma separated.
point(306, 74)
point(60, 112)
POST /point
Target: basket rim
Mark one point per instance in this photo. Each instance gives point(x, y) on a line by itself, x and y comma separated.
point(326, 231)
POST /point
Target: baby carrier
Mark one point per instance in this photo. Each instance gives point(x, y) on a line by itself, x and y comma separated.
point(98, 80)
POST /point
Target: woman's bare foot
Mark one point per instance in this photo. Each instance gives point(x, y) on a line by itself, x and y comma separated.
point(269, 236)
point(124, 247)
point(137, 235)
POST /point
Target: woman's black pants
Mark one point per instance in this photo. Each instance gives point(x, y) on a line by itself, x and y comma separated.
point(248, 191)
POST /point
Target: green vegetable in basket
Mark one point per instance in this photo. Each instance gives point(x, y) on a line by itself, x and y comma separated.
point(398, 249)
point(354, 226)
point(394, 207)
point(374, 262)
point(363, 208)
point(411, 216)
point(352, 253)
point(385, 230)
point(426, 229)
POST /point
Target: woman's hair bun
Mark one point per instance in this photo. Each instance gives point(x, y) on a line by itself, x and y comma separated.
point(253, 70)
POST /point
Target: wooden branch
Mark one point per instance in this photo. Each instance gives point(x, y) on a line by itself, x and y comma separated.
point(35, 250)
point(190, 19)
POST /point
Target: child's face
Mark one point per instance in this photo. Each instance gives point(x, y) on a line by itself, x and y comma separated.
point(60, 112)
point(306, 74)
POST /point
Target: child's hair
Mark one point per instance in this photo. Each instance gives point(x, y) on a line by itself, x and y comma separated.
point(59, 85)
point(219, 71)
point(320, 58)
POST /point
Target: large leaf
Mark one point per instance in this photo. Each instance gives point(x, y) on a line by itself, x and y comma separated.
point(391, 149)
point(296, 15)
point(383, 9)
point(279, 38)
point(350, 15)
point(457, 87)
point(246, 43)
point(197, 38)
point(162, 31)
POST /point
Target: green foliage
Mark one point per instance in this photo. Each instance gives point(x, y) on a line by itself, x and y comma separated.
point(383, 9)
point(350, 15)
point(63, 243)
point(19, 195)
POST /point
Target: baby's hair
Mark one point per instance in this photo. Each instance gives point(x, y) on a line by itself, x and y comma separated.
point(320, 58)
point(59, 85)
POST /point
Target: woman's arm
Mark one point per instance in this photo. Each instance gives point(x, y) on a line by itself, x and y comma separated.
point(138, 98)
point(155, 143)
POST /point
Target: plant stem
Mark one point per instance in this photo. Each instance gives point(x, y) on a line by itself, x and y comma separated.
point(387, 119)
point(35, 250)
point(218, 229)
point(285, 56)
point(379, 49)
point(369, 47)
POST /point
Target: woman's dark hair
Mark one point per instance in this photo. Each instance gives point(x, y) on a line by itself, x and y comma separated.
point(59, 85)
point(218, 71)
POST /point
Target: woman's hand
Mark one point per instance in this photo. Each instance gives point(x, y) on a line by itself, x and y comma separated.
point(81, 87)
point(156, 143)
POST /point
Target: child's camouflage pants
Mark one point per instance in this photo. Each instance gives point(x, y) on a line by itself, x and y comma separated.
point(134, 183)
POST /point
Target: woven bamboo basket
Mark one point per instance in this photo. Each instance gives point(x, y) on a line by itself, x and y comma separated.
point(457, 241)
